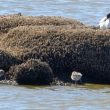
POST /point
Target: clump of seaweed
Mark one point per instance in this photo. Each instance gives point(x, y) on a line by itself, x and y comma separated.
point(32, 72)
point(7, 60)
point(8, 22)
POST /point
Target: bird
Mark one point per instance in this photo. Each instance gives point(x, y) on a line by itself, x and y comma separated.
point(2, 74)
point(104, 23)
point(76, 76)
point(3, 79)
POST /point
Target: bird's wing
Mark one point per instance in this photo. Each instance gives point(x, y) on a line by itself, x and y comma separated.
point(103, 19)
point(108, 23)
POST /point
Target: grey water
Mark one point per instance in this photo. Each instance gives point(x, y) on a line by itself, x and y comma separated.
point(86, 97)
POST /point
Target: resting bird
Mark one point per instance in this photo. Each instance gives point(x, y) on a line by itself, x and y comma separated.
point(76, 76)
point(105, 22)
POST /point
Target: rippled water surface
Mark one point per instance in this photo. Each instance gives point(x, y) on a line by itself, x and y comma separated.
point(88, 97)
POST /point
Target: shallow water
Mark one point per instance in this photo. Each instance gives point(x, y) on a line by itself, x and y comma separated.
point(87, 97)
point(87, 11)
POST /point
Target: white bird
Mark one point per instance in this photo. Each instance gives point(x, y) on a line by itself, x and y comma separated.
point(76, 76)
point(105, 22)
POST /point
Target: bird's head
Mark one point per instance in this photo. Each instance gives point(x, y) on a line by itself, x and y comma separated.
point(108, 15)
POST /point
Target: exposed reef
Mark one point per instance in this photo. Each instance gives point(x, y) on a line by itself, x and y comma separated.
point(65, 45)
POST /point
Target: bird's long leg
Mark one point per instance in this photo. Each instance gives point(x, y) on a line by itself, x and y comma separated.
point(75, 83)
point(5, 77)
point(80, 81)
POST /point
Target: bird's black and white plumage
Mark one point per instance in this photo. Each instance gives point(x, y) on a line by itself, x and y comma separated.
point(105, 22)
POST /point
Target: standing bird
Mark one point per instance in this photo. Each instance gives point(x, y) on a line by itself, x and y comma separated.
point(3, 79)
point(105, 22)
point(76, 76)
point(2, 75)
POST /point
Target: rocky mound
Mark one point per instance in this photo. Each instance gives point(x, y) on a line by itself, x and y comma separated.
point(66, 45)
point(66, 50)
point(32, 72)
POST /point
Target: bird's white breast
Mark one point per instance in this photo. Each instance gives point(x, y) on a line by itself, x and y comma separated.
point(104, 23)
point(76, 76)
point(107, 24)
